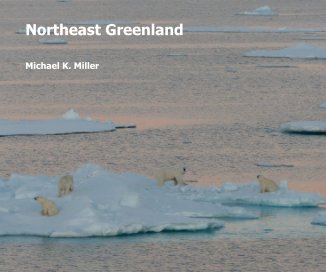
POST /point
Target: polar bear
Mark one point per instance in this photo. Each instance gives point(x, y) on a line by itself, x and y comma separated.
point(175, 174)
point(66, 185)
point(48, 207)
point(267, 185)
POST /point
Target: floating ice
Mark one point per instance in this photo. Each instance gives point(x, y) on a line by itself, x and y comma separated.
point(71, 115)
point(119, 126)
point(303, 51)
point(70, 124)
point(249, 194)
point(311, 38)
point(21, 31)
point(230, 70)
point(262, 11)
point(305, 127)
point(239, 29)
point(177, 55)
point(277, 165)
point(104, 204)
point(55, 40)
point(323, 106)
point(275, 66)
point(320, 219)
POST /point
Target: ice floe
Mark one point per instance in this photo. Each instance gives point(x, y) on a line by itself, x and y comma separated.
point(230, 70)
point(303, 51)
point(322, 106)
point(177, 55)
point(311, 38)
point(71, 115)
point(304, 127)
point(276, 165)
point(320, 219)
point(119, 126)
point(271, 66)
point(261, 11)
point(56, 40)
point(104, 204)
point(239, 29)
point(70, 123)
point(249, 194)
point(21, 31)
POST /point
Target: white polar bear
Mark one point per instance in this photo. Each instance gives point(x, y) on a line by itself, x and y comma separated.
point(66, 185)
point(174, 174)
point(48, 207)
point(267, 185)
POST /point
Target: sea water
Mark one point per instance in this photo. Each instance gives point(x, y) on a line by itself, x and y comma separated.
point(197, 102)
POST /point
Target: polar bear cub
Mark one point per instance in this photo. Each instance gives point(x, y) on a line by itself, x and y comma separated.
point(66, 185)
point(267, 185)
point(175, 174)
point(48, 207)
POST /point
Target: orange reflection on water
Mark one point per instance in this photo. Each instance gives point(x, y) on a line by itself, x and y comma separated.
point(315, 186)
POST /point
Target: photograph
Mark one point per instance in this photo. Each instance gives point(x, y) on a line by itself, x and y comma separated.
point(163, 136)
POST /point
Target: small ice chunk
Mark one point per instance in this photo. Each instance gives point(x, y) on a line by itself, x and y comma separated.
point(71, 115)
point(271, 165)
point(276, 66)
point(249, 194)
point(304, 127)
point(120, 126)
point(21, 31)
point(302, 51)
point(230, 70)
point(320, 219)
point(240, 29)
point(56, 40)
point(311, 38)
point(261, 11)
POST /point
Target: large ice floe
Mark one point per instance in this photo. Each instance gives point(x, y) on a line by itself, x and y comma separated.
point(249, 194)
point(320, 219)
point(302, 51)
point(261, 11)
point(70, 123)
point(304, 127)
point(104, 204)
